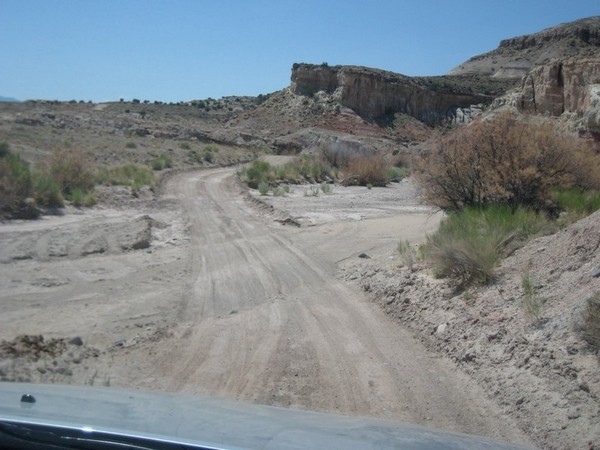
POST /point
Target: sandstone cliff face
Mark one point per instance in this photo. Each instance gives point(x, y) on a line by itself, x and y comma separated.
point(373, 93)
point(571, 86)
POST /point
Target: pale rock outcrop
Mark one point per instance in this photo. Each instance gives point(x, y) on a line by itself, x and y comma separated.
point(373, 93)
point(571, 86)
point(516, 56)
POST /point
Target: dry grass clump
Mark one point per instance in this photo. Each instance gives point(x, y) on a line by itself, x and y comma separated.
point(363, 170)
point(408, 254)
point(70, 169)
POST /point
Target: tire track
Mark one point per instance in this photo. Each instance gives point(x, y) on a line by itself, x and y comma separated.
point(262, 321)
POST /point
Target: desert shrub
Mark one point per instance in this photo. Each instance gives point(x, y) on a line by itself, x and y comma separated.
point(168, 161)
point(157, 164)
point(162, 162)
point(312, 191)
point(211, 148)
point(503, 161)
point(408, 254)
point(279, 191)
point(364, 170)
point(77, 196)
point(531, 301)
point(47, 191)
point(263, 188)
point(128, 175)
point(185, 146)
point(70, 169)
point(15, 183)
point(89, 199)
point(208, 156)
point(312, 168)
point(577, 200)
point(468, 244)
point(394, 173)
point(130, 144)
point(258, 172)
point(590, 328)
point(194, 157)
point(327, 188)
point(4, 149)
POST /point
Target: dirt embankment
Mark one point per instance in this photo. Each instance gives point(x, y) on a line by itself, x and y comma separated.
point(540, 372)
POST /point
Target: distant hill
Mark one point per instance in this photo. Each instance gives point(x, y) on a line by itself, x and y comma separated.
point(514, 57)
point(8, 99)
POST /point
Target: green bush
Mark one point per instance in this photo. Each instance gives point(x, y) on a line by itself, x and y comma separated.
point(130, 144)
point(259, 172)
point(47, 191)
point(469, 244)
point(263, 188)
point(157, 164)
point(208, 156)
point(396, 173)
point(77, 197)
point(15, 183)
point(184, 146)
point(162, 162)
point(577, 201)
point(128, 175)
point(311, 168)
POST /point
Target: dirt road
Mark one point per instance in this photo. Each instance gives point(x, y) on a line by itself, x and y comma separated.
point(226, 302)
point(264, 322)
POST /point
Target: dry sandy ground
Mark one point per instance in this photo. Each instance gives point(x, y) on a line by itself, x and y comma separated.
point(226, 301)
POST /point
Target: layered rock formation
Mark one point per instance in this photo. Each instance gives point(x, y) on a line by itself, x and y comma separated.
point(373, 93)
point(571, 86)
point(514, 57)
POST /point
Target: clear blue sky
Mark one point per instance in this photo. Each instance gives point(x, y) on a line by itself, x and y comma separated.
point(173, 50)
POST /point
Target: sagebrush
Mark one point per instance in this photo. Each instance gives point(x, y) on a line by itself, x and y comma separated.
point(506, 161)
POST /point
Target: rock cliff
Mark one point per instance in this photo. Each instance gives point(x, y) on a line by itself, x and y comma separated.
point(373, 93)
point(571, 86)
point(514, 57)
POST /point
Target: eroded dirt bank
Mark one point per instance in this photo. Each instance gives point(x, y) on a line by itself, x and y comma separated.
point(226, 302)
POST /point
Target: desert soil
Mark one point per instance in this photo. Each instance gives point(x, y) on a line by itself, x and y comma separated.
point(205, 290)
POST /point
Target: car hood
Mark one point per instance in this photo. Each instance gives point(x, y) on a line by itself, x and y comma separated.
point(212, 422)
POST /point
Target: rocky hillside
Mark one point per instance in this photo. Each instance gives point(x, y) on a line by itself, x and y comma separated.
point(514, 57)
point(374, 93)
